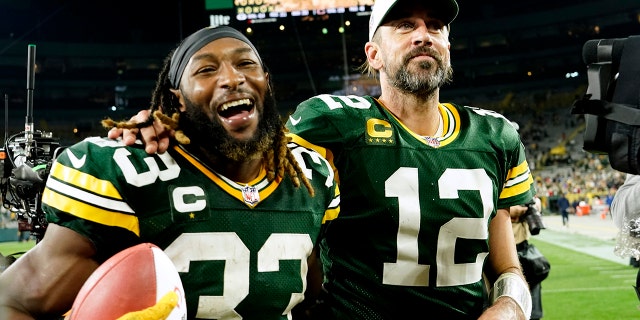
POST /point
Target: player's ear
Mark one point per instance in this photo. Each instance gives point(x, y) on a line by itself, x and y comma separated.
point(267, 77)
point(371, 49)
point(178, 95)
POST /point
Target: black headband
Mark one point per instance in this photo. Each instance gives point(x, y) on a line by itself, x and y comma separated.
point(191, 44)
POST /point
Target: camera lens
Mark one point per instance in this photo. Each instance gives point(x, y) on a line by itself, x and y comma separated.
point(534, 220)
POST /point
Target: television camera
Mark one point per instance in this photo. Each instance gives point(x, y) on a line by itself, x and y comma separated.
point(25, 161)
point(611, 108)
point(611, 105)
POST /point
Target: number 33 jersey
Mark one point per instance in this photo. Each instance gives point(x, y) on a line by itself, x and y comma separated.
point(413, 228)
point(241, 249)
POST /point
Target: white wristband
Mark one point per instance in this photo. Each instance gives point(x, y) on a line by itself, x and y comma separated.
point(512, 285)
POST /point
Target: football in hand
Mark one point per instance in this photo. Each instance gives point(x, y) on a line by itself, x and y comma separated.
point(131, 280)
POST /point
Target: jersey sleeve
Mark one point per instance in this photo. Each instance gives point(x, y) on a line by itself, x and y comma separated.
point(81, 193)
point(519, 187)
point(328, 121)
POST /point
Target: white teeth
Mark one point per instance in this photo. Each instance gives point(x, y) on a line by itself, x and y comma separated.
point(234, 103)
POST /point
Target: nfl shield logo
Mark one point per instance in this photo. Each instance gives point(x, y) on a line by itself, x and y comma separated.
point(250, 195)
point(431, 141)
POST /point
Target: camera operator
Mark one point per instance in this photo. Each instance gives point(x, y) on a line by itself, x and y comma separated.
point(522, 231)
point(625, 211)
point(625, 206)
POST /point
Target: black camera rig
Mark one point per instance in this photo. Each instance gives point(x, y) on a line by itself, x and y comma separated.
point(25, 161)
point(22, 178)
point(611, 105)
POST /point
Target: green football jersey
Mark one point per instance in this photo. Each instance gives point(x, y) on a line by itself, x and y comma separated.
point(412, 235)
point(241, 249)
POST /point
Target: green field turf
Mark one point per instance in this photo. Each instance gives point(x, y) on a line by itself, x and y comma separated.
point(579, 286)
point(584, 287)
point(7, 248)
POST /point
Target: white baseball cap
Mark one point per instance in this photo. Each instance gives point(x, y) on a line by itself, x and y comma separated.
point(445, 10)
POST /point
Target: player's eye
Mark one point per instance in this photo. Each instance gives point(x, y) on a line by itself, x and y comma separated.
point(405, 25)
point(207, 69)
point(435, 25)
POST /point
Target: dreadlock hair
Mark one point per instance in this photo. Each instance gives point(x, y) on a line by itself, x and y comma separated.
point(278, 159)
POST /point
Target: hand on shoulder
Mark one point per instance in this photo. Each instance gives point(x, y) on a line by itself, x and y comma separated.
point(155, 137)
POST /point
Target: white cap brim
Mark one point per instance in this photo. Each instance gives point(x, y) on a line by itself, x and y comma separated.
point(445, 10)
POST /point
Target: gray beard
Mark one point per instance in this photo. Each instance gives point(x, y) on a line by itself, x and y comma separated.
point(423, 84)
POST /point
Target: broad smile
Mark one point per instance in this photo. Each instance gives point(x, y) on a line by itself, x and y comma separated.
point(237, 112)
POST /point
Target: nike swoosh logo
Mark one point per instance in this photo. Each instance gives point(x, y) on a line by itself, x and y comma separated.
point(294, 121)
point(75, 162)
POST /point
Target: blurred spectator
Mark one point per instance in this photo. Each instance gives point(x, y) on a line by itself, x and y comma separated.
point(4, 217)
point(24, 236)
point(564, 207)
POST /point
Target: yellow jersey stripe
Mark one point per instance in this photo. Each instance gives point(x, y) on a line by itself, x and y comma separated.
point(84, 181)
point(519, 180)
point(88, 197)
point(334, 207)
point(91, 213)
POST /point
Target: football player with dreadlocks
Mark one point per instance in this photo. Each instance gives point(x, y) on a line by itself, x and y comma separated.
point(226, 197)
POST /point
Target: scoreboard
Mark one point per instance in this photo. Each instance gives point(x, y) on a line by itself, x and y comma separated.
point(255, 11)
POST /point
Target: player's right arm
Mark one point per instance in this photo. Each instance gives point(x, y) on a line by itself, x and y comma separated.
point(329, 120)
point(45, 280)
point(317, 113)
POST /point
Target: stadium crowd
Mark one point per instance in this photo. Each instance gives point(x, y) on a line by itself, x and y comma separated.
point(554, 146)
